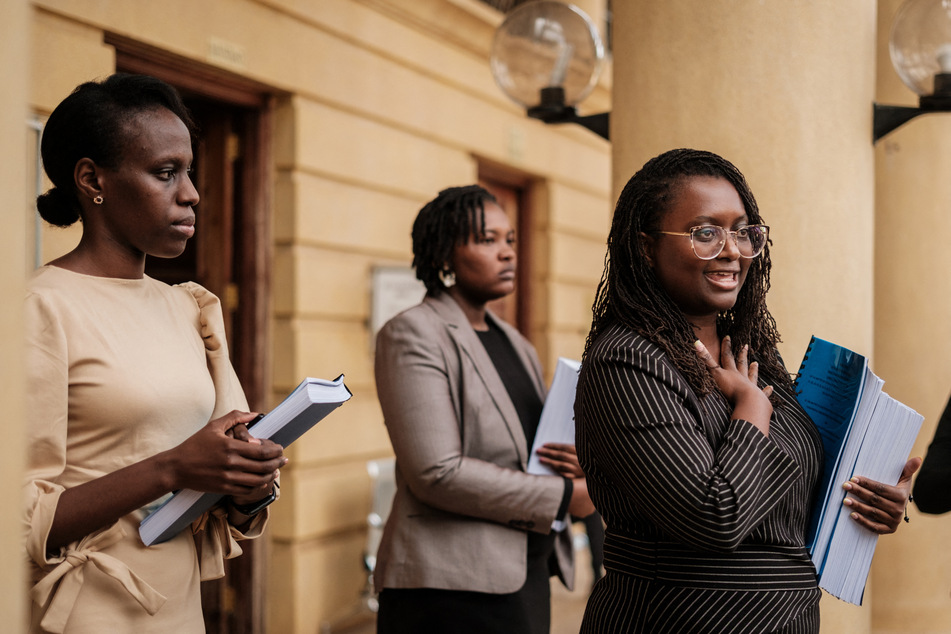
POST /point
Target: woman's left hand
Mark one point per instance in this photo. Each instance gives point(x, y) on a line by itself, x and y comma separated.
point(562, 458)
point(880, 507)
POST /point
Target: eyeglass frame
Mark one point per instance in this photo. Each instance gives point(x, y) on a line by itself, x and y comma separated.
point(730, 233)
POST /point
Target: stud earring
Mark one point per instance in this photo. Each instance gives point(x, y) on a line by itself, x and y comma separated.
point(98, 199)
point(447, 277)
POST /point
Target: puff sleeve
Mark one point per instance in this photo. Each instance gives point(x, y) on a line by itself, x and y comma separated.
point(215, 538)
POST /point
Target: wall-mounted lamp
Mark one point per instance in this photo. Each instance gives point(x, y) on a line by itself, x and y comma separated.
point(547, 57)
point(920, 48)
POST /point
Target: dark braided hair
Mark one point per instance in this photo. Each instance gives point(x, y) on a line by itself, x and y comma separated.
point(630, 294)
point(91, 123)
point(444, 222)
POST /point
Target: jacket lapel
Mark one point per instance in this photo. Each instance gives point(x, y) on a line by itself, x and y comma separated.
point(468, 341)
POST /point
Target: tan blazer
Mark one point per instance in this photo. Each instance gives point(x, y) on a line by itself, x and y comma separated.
point(463, 501)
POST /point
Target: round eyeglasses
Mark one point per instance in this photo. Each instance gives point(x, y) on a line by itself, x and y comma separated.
point(708, 241)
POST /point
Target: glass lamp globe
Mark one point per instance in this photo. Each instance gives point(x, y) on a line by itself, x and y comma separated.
point(920, 43)
point(546, 45)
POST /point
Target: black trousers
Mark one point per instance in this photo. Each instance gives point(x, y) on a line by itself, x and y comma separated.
point(435, 611)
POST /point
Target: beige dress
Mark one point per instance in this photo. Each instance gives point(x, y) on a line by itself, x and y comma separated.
point(119, 370)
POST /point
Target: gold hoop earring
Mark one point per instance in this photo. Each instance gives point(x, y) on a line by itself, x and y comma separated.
point(98, 199)
point(447, 277)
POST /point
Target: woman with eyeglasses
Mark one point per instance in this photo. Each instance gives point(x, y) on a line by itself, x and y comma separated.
point(697, 454)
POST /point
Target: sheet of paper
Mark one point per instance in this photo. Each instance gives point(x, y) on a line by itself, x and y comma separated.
point(557, 422)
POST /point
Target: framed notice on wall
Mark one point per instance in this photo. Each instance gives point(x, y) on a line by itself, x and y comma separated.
point(395, 288)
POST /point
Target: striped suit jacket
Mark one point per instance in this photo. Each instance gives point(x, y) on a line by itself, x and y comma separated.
point(706, 516)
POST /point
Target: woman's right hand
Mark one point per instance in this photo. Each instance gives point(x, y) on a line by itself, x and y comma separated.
point(217, 459)
point(737, 379)
point(561, 457)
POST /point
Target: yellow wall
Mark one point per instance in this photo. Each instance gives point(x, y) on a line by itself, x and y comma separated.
point(14, 45)
point(380, 104)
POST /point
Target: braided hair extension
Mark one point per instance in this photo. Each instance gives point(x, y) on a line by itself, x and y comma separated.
point(629, 292)
point(444, 222)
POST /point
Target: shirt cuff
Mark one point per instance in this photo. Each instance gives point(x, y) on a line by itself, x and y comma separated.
point(560, 516)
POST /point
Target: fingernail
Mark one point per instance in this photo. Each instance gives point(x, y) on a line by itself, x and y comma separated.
point(854, 516)
point(856, 480)
point(847, 486)
point(698, 344)
point(847, 501)
point(286, 460)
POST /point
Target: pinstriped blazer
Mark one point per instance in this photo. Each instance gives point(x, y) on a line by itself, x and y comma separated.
point(463, 502)
point(692, 498)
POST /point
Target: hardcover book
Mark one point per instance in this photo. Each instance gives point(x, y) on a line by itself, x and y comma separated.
point(303, 408)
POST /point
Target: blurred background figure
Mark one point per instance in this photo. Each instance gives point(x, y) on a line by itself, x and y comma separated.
point(462, 393)
point(932, 491)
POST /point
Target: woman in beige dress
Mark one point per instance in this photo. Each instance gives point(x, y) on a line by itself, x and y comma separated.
point(130, 391)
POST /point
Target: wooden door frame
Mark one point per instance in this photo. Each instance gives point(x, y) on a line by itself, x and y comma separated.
point(503, 176)
point(243, 602)
point(253, 366)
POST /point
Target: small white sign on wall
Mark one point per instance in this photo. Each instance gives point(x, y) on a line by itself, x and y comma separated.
point(395, 288)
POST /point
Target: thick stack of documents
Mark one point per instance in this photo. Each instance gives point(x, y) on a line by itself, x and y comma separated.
point(865, 432)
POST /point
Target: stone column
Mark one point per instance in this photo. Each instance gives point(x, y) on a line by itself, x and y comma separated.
point(784, 90)
point(14, 30)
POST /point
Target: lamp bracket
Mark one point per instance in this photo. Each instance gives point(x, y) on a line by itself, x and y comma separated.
point(887, 118)
point(552, 109)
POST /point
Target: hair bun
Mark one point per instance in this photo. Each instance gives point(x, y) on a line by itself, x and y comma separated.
point(58, 207)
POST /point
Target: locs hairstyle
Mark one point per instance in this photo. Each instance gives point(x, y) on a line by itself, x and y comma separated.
point(629, 292)
point(444, 222)
point(90, 123)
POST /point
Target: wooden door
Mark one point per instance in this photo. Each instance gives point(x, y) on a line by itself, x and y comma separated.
point(512, 197)
point(230, 255)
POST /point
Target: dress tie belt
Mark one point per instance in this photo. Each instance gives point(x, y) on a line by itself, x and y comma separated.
point(60, 587)
point(216, 542)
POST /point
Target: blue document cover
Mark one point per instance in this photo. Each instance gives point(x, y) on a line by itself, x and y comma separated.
point(830, 382)
point(864, 432)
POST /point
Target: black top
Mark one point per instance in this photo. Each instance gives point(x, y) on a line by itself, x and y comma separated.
point(516, 379)
point(519, 386)
point(932, 490)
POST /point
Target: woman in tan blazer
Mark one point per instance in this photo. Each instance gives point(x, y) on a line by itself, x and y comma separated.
point(469, 545)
